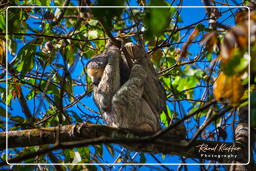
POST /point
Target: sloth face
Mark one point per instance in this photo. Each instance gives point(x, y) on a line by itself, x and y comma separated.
point(95, 68)
point(95, 74)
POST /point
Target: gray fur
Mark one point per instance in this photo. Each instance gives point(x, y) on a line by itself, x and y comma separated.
point(138, 102)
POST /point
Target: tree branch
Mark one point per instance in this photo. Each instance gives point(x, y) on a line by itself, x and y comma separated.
point(84, 134)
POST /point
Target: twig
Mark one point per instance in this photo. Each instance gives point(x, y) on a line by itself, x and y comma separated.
point(212, 118)
point(158, 161)
point(221, 3)
point(165, 71)
point(60, 16)
point(53, 36)
point(161, 132)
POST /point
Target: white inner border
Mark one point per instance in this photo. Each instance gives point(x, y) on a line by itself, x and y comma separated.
point(249, 12)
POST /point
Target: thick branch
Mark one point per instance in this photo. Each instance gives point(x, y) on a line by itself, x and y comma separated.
point(87, 134)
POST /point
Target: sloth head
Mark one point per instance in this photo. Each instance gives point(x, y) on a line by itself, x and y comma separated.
point(95, 68)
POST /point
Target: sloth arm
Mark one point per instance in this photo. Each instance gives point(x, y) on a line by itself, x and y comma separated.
point(110, 81)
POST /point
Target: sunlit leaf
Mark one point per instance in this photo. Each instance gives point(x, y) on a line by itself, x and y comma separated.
point(93, 22)
point(85, 153)
point(229, 88)
point(163, 118)
point(92, 34)
point(31, 95)
point(119, 160)
point(77, 157)
point(69, 155)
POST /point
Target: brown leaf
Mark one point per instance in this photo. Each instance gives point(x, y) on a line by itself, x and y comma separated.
point(185, 46)
point(241, 17)
point(2, 52)
point(236, 37)
point(228, 88)
point(253, 15)
point(156, 56)
point(227, 46)
point(241, 34)
point(210, 40)
point(211, 135)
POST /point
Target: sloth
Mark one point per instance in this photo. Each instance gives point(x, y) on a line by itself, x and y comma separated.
point(128, 97)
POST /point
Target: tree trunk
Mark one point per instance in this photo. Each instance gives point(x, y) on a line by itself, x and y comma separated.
point(245, 160)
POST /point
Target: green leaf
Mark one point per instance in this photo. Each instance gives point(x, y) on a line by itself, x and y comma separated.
point(3, 112)
point(45, 58)
point(110, 150)
point(176, 36)
point(163, 118)
point(156, 19)
point(166, 81)
point(85, 153)
point(69, 86)
point(200, 27)
point(190, 82)
point(31, 94)
point(142, 158)
point(92, 168)
point(23, 168)
point(93, 22)
point(92, 34)
point(69, 154)
point(209, 56)
point(77, 157)
point(25, 62)
point(253, 109)
point(51, 88)
point(172, 10)
point(235, 64)
point(9, 98)
point(17, 119)
point(2, 22)
point(70, 55)
point(46, 2)
point(105, 15)
point(99, 150)
point(163, 156)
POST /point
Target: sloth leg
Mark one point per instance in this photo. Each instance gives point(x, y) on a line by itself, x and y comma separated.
point(126, 103)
